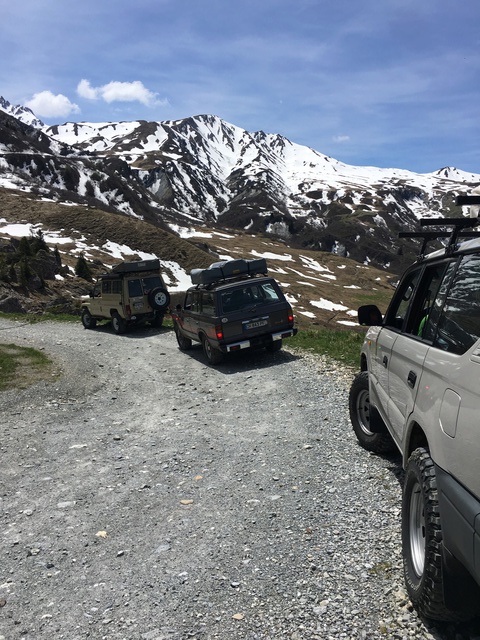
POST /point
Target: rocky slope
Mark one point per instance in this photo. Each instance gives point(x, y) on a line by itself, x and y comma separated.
point(205, 171)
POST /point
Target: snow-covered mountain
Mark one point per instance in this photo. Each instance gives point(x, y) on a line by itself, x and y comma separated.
point(24, 114)
point(203, 170)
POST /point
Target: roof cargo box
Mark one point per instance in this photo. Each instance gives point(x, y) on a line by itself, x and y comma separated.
point(228, 269)
point(143, 265)
point(259, 265)
point(232, 268)
point(206, 276)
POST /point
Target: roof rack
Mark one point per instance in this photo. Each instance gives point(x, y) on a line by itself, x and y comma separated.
point(139, 265)
point(229, 270)
point(458, 226)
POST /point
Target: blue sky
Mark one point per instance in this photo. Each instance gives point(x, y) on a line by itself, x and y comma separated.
point(387, 83)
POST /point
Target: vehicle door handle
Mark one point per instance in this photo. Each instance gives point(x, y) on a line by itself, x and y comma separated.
point(411, 378)
point(385, 361)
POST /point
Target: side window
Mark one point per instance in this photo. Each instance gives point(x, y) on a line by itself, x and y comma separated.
point(398, 310)
point(188, 301)
point(135, 288)
point(459, 323)
point(208, 307)
point(269, 292)
point(106, 286)
point(117, 286)
point(428, 288)
point(196, 299)
point(429, 327)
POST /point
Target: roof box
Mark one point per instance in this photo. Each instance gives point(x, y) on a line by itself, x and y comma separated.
point(143, 265)
point(206, 276)
point(229, 269)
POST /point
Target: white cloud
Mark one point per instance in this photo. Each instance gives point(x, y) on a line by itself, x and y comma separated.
point(85, 90)
point(48, 105)
point(341, 138)
point(119, 92)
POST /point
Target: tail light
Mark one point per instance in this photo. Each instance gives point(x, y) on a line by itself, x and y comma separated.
point(290, 318)
point(219, 332)
point(128, 310)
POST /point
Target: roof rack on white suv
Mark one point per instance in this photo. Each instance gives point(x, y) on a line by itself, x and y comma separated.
point(457, 231)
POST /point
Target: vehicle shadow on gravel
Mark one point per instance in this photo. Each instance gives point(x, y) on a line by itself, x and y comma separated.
point(394, 461)
point(466, 630)
point(236, 362)
point(137, 332)
point(242, 360)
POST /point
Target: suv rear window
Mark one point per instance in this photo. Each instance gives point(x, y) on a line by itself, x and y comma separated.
point(249, 295)
point(151, 282)
point(134, 288)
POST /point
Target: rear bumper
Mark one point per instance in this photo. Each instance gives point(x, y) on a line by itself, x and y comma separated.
point(460, 513)
point(460, 518)
point(257, 341)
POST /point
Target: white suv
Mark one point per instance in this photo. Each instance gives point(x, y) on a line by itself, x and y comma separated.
point(419, 391)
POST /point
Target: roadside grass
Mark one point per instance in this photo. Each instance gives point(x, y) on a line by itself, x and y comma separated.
point(32, 318)
point(339, 346)
point(22, 366)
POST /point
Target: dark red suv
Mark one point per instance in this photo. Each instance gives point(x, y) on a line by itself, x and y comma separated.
point(233, 305)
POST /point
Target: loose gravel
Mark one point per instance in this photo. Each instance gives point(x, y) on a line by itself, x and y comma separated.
point(146, 495)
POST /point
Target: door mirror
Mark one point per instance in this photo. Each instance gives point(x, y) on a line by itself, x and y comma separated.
point(369, 315)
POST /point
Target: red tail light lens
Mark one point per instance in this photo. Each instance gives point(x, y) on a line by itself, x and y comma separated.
point(219, 333)
point(290, 317)
point(128, 310)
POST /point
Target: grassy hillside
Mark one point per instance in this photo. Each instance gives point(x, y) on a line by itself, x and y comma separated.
point(324, 289)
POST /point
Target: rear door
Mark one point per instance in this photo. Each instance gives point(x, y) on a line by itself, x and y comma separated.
point(402, 347)
point(411, 348)
point(450, 401)
point(188, 316)
point(253, 308)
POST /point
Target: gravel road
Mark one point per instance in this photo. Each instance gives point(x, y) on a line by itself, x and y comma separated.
point(145, 495)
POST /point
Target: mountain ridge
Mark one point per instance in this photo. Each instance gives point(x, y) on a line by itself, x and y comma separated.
point(203, 170)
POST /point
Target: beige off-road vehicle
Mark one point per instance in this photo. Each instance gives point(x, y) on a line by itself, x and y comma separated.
point(132, 293)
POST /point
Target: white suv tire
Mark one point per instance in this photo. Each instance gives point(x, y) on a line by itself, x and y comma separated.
point(359, 406)
point(422, 538)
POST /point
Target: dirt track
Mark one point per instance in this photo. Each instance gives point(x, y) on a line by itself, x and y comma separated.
point(144, 494)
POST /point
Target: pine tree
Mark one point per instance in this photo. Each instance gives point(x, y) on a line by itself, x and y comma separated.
point(37, 242)
point(58, 258)
point(82, 270)
point(24, 248)
point(25, 272)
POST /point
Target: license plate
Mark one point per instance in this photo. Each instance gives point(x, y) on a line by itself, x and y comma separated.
point(138, 305)
point(255, 324)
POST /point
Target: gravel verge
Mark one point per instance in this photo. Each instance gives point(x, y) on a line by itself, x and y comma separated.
point(145, 495)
